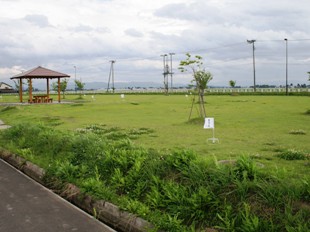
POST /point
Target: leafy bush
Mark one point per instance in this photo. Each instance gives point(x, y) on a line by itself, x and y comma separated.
point(245, 168)
point(297, 132)
point(293, 154)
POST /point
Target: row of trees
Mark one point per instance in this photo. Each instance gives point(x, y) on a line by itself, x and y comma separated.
point(79, 86)
point(201, 78)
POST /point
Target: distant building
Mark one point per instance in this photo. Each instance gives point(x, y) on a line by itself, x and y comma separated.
point(5, 88)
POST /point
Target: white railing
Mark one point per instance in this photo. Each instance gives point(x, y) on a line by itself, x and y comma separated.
point(259, 90)
point(181, 90)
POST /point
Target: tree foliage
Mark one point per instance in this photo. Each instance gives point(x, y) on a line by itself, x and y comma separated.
point(63, 87)
point(79, 86)
point(232, 83)
point(201, 77)
point(16, 83)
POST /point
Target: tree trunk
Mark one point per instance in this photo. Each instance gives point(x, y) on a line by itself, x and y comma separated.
point(202, 104)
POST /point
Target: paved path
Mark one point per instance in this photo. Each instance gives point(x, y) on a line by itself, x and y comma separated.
point(26, 206)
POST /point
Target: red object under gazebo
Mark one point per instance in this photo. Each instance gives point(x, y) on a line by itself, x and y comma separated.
point(39, 73)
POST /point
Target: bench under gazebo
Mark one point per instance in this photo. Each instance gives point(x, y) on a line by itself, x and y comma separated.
point(39, 73)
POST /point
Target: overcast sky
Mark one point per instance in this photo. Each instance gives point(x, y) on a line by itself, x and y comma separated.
point(88, 34)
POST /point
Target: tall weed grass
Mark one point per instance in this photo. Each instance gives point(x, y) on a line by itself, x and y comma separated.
point(175, 190)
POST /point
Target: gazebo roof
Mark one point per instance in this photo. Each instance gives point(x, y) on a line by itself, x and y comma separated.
point(40, 72)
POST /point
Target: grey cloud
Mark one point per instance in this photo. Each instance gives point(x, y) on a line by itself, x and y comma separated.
point(13, 46)
point(198, 11)
point(87, 28)
point(83, 28)
point(38, 20)
point(103, 30)
point(133, 32)
point(255, 15)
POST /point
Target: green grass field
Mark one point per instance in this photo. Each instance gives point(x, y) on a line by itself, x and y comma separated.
point(247, 124)
point(254, 125)
point(176, 182)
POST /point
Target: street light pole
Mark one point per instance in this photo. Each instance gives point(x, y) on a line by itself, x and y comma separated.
point(286, 72)
point(252, 42)
point(74, 78)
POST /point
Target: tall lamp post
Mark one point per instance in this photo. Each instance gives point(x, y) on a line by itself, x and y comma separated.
point(286, 72)
point(252, 42)
point(74, 78)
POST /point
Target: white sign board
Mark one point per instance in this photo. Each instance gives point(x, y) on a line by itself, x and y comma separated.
point(209, 123)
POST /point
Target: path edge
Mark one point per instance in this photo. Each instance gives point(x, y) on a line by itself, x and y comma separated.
point(104, 211)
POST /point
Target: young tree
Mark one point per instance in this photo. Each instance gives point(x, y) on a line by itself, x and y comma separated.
point(79, 86)
point(232, 83)
point(200, 76)
point(17, 84)
point(63, 87)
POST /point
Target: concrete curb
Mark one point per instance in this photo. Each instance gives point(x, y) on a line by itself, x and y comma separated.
point(23, 165)
point(104, 211)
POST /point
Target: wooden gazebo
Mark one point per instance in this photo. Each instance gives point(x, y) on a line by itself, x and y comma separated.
point(39, 73)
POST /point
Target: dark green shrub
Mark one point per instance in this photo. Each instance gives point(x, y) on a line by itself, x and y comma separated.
point(305, 191)
point(297, 132)
point(292, 154)
point(245, 168)
point(87, 148)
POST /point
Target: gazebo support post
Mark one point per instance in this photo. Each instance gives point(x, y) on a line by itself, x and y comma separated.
point(58, 89)
point(30, 90)
point(20, 90)
point(48, 88)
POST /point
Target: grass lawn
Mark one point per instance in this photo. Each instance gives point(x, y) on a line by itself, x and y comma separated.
point(256, 125)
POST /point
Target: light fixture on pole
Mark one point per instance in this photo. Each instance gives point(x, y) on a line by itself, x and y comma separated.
point(286, 72)
point(252, 42)
point(171, 73)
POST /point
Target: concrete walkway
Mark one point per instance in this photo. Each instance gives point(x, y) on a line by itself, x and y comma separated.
point(26, 206)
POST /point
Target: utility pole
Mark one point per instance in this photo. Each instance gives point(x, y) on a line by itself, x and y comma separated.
point(286, 73)
point(252, 42)
point(111, 75)
point(171, 72)
point(166, 72)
